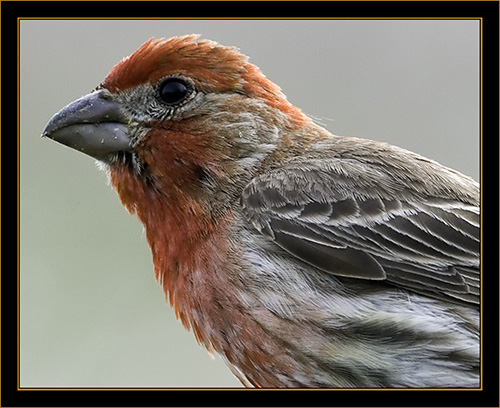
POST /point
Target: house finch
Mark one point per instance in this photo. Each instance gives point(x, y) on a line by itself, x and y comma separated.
point(305, 259)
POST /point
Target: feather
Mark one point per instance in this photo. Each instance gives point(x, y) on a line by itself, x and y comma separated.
point(368, 219)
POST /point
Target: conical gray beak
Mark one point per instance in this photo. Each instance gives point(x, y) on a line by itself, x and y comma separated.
point(93, 124)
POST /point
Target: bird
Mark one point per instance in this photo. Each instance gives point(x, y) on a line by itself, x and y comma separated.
point(304, 259)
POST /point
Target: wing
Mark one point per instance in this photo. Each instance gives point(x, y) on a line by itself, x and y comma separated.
point(368, 221)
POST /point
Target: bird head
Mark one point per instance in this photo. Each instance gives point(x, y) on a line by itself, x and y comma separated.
point(178, 116)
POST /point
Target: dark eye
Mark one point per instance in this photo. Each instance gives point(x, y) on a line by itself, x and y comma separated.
point(173, 91)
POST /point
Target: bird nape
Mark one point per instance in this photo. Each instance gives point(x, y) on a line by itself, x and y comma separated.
point(303, 258)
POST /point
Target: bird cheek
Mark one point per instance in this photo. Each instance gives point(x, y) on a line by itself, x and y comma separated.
point(169, 170)
point(149, 161)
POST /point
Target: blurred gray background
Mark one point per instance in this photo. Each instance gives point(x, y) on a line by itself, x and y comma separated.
point(92, 314)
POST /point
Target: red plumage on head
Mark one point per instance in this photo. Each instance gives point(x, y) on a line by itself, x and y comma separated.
point(212, 64)
point(213, 67)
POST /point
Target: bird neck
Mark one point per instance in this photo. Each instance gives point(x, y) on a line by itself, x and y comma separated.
point(188, 245)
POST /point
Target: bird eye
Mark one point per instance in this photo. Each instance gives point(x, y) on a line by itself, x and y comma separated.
point(173, 91)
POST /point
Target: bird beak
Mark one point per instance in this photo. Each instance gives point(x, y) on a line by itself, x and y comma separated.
point(93, 124)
